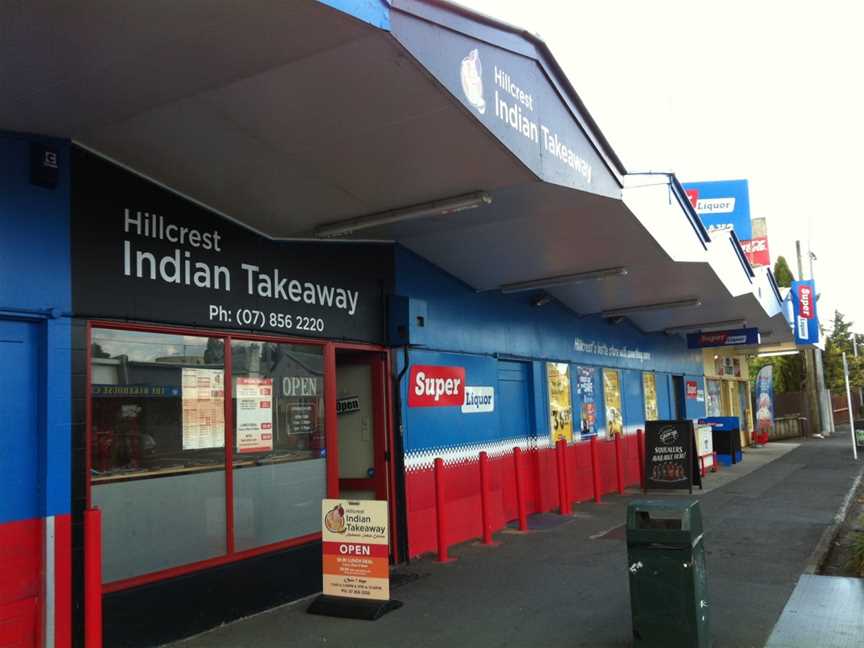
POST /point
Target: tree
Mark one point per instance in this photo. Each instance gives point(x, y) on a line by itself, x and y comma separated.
point(788, 371)
point(838, 342)
point(782, 274)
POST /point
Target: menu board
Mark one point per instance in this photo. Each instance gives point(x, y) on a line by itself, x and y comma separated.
point(671, 460)
point(560, 407)
point(254, 401)
point(203, 398)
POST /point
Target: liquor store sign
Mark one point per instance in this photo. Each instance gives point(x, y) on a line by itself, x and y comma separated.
point(355, 546)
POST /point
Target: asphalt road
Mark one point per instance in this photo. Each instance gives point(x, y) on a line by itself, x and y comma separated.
point(565, 584)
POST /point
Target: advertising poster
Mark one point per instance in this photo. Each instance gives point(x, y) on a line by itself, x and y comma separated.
point(764, 403)
point(692, 389)
point(612, 396)
point(254, 401)
point(713, 405)
point(670, 455)
point(585, 400)
point(560, 406)
point(649, 387)
point(355, 548)
point(203, 398)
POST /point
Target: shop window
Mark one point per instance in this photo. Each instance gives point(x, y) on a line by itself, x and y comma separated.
point(279, 450)
point(612, 399)
point(586, 400)
point(560, 407)
point(158, 446)
point(157, 449)
point(713, 405)
point(649, 389)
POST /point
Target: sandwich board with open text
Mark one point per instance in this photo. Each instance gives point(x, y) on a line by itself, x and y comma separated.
point(355, 559)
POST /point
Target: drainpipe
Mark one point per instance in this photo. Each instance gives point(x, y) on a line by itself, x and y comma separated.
point(398, 458)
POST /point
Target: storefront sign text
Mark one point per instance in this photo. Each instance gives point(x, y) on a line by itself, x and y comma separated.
point(478, 400)
point(435, 386)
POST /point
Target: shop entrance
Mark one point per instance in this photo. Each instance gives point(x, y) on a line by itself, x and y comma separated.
point(677, 397)
point(361, 419)
point(20, 523)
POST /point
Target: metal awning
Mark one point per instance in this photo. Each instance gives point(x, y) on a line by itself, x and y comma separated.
point(290, 116)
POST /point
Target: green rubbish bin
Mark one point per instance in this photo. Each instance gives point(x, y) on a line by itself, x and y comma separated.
point(668, 583)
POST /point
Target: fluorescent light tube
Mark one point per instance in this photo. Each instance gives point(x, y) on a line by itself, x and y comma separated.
point(708, 326)
point(561, 280)
point(772, 354)
point(435, 208)
point(643, 308)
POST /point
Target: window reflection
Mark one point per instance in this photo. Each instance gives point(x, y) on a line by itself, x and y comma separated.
point(278, 401)
point(157, 403)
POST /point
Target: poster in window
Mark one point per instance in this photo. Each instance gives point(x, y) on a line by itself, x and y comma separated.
point(712, 403)
point(203, 399)
point(612, 398)
point(560, 407)
point(254, 401)
point(585, 400)
point(649, 387)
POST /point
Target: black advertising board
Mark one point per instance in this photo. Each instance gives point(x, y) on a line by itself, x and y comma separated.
point(671, 460)
point(141, 252)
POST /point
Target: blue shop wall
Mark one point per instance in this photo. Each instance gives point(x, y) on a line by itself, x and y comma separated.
point(35, 288)
point(482, 331)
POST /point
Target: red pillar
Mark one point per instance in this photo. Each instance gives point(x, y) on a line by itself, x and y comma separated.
point(640, 444)
point(520, 484)
point(563, 490)
point(441, 511)
point(485, 496)
point(619, 464)
point(595, 469)
point(93, 578)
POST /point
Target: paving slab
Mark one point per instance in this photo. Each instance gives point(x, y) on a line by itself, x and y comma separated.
point(824, 611)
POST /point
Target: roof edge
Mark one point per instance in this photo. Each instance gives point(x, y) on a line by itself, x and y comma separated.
point(548, 59)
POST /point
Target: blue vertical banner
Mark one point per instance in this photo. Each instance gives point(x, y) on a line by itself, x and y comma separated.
point(764, 403)
point(805, 321)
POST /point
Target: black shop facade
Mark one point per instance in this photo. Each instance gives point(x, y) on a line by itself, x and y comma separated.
point(210, 364)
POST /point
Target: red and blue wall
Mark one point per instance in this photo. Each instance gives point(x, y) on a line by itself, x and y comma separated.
point(35, 396)
point(504, 342)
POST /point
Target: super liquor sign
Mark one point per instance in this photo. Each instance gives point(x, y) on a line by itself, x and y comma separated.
point(142, 252)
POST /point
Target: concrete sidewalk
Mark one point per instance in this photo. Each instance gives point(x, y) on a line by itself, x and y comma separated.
point(566, 584)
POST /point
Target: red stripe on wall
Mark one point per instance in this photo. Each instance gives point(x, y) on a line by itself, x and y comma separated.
point(62, 581)
point(20, 576)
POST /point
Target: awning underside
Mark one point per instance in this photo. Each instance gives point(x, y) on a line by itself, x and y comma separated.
point(287, 116)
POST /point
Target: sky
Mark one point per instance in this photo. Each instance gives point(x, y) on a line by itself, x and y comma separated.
point(767, 91)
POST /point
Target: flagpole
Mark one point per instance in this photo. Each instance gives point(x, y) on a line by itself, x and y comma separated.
point(849, 404)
